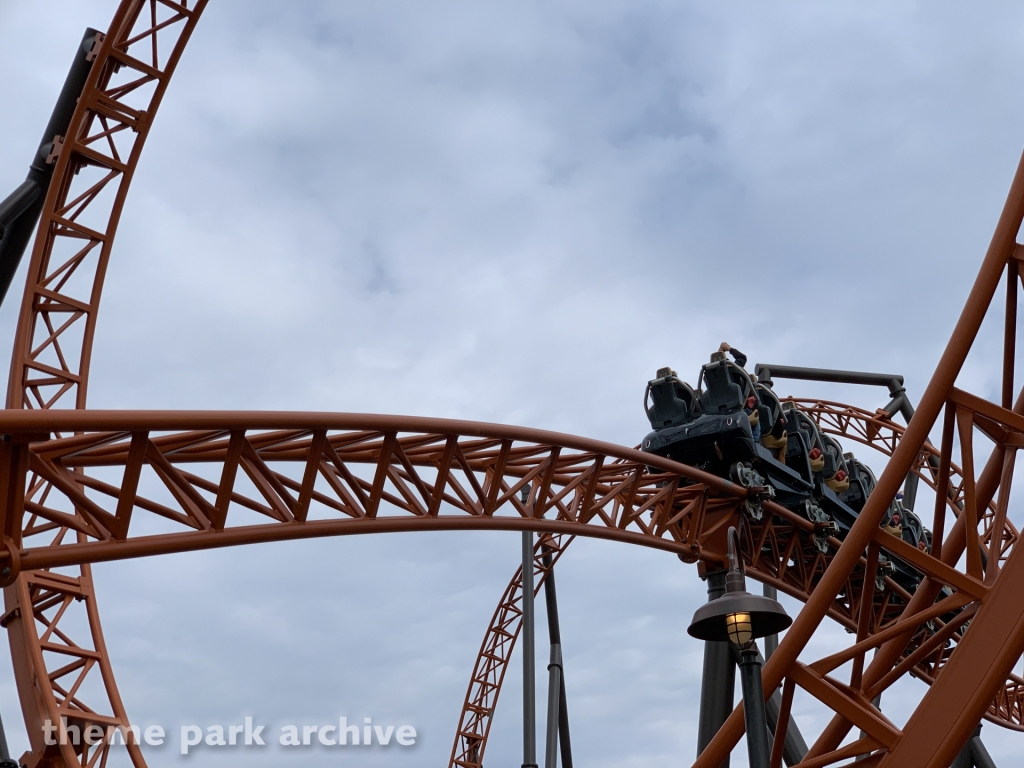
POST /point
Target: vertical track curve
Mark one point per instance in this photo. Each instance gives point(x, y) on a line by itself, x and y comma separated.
point(61, 665)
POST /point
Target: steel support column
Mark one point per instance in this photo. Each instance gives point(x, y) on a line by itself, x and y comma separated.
point(529, 679)
point(558, 713)
point(772, 641)
point(980, 755)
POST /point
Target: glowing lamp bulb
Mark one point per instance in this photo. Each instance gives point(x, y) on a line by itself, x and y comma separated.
point(739, 628)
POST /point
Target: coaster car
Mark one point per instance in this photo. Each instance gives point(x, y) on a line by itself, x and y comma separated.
point(737, 428)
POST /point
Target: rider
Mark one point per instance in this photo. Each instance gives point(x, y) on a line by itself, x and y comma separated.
point(894, 524)
point(739, 357)
point(777, 439)
point(750, 408)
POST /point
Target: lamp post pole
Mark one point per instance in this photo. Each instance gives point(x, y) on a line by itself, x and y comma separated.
point(718, 680)
point(741, 618)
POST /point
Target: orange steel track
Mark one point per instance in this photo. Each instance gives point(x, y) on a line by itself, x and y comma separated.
point(83, 486)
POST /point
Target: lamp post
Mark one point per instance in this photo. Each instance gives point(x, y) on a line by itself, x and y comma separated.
point(741, 618)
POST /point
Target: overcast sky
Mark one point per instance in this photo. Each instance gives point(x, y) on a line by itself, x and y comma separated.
point(511, 212)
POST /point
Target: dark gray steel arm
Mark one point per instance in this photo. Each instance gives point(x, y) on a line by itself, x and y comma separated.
point(17, 203)
point(765, 372)
point(20, 211)
point(718, 681)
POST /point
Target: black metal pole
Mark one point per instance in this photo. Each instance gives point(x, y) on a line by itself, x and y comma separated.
point(772, 641)
point(974, 754)
point(794, 747)
point(979, 754)
point(564, 742)
point(554, 695)
point(28, 199)
point(758, 749)
point(718, 681)
point(558, 720)
point(529, 681)
point(963, 758)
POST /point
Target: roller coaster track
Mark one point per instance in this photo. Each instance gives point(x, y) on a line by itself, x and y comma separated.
point(82, 486)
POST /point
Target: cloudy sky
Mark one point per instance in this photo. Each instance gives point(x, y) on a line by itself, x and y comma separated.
point(510, 212)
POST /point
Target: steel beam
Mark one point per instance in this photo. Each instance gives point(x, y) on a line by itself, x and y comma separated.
point(558, 712)
point(767, 372)
point(20, 211)
point(529, 679)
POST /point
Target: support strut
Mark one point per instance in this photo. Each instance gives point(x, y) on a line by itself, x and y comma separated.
point(20, 211)
point(558, 713)
point(529, 680)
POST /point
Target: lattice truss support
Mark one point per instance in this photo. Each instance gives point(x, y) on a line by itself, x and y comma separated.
point(162, 482)
point(52, 620)
point(195, 481)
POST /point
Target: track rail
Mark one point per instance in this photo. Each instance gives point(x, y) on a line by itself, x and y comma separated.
point(174, 482)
